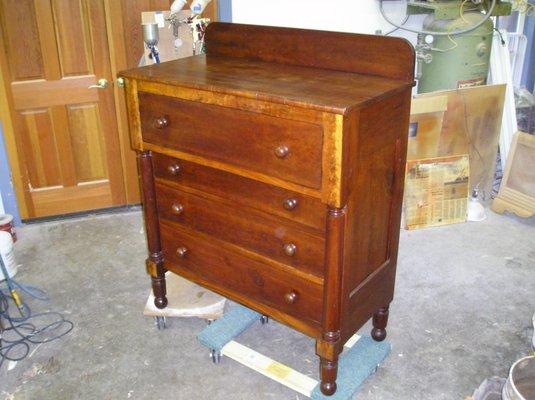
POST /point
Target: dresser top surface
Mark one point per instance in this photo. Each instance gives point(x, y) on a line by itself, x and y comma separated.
point(307, 87)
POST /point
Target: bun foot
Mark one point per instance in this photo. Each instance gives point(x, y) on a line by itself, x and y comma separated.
point(378, 334)
point(160, 302)
point(328, 388)
point(380, 319)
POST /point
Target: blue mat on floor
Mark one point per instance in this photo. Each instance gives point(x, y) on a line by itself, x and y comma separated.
point(355, 364)
point(226, 328)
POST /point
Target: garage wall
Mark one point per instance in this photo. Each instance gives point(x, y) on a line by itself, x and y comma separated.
point(360, 16)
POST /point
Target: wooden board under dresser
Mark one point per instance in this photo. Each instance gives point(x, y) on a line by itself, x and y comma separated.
point(272, 172)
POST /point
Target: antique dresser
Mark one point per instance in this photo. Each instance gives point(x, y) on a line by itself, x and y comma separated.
point(272, 172)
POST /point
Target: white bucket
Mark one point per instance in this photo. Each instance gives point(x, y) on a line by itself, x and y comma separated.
point(520, 384)
point(7, 254)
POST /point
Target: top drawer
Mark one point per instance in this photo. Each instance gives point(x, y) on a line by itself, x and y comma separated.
point(285, 149)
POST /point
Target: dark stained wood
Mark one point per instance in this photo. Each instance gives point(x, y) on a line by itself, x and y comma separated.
point(380, 319)
point(329, 346)
point(242, 138)
point(374, 214)
point(362, 54)
point(155, 261)
point(321, 90)
point(255, 232)
point(340, 103)
point(241, 191)
point(214, 262)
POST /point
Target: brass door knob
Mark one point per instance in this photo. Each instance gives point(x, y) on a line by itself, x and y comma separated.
point(182, 252)
point(173, 169)
point(177, 208)
point(290, 204)
point(101, 84)
point(282, 151)
point(289, 249)
point(161, 122)
point(291, 297)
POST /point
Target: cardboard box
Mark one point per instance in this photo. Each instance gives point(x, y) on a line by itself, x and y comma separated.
point(437, 177)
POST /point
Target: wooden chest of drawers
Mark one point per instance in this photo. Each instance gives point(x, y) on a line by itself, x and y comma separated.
point(272, 172)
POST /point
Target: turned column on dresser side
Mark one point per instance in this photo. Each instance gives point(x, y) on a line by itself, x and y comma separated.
point(155, 260)
point(329, 346)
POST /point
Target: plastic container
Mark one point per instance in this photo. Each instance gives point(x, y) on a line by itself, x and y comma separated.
point(7, 254)
point(198, 6)
point(6, 224)
point(177, 6)
point(520, 384)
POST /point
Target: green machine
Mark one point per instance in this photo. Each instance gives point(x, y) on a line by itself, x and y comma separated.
point(454, 44)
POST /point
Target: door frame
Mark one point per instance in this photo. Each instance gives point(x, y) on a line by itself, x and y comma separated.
point(14, 153)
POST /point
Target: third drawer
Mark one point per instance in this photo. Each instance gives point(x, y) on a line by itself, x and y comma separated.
point(240, 278)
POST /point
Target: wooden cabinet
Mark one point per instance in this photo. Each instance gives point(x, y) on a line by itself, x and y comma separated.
point(275, 178)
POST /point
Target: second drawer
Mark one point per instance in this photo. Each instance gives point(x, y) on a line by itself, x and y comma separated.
point(242, 191)
point(270, 237)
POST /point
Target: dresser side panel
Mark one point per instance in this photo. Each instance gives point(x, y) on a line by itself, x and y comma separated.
point(374, 173)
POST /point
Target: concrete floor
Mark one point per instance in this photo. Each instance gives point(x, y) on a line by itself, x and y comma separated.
point(462, 312)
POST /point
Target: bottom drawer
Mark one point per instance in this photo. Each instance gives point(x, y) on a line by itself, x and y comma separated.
point(237, 277)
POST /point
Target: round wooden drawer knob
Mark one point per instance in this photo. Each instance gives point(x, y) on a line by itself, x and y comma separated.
point(291, 297)
point(161, 122)
point(289, 249)
point(177, 208)
point(173, 169)
point(282, 151)
point(182, 252)
point(290, 204)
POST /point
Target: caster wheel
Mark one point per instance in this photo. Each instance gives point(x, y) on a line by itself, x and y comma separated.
point(161, 322)
point(209, 321)
point(264, 319)
point(216, 356)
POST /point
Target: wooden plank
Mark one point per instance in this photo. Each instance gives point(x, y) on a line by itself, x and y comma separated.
point(14, 148)
point(96, 20)
point(63, 200)
point(275, 370)
point(517, 191)
point(72, 33)
point(272, 83)
point(134, 120)
point(226, 100)
point(384, 56)
point(47, 39)
point(87, 144)
point(19, 25)
point(41, 93)
point(333, 141)
point(60, 120)
point(118, 61)
point(37, 136)
point(270, 368)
